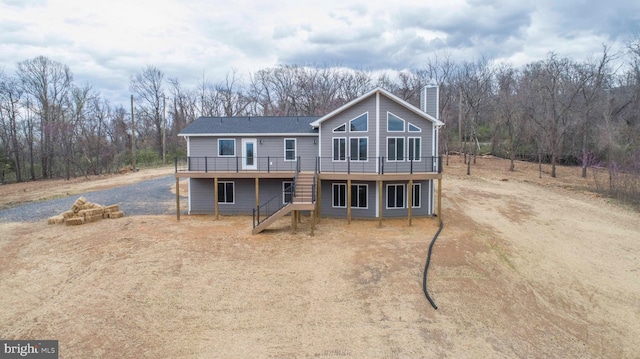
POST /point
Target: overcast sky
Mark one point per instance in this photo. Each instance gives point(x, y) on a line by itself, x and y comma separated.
point(105, 42)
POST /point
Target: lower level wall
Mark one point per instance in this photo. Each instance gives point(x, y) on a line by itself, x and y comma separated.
point(201, 201)
point(331, 201)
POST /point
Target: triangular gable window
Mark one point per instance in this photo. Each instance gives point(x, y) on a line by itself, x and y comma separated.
point(341, 128)
point(414, 128)
point(359, 124)
point(394, 123)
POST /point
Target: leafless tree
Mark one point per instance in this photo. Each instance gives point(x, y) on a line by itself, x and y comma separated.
point(148, 89)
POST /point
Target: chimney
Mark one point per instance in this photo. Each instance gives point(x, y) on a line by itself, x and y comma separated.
point(429, 99)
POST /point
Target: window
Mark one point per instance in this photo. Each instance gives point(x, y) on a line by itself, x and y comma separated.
point(394, 123)
point(225, 192)
point(395, 196)
point(339, 195)
point(341, 128)
point(395, 148)
point(339, 149)
point(359, 195)
point(287, 192)
point(226, 147)
point(289, 149)
point(359, 124)
point(417, 195)
point(414, 128)
point(358, 147)
point(414, 148)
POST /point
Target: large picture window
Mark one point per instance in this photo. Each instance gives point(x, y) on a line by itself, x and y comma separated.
point(289, 149)
point(395, 148)
point(395, 196)
point(226, 147)
point(339, 149)
point(226, 192)
point(358, 147)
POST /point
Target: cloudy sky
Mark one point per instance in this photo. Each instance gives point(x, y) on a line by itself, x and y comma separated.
point(105, 42)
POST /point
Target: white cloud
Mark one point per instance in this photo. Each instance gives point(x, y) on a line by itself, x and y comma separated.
point(106, 42)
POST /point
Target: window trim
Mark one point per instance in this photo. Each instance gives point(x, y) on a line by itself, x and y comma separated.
point(412, 131)
point(355, 193)
point(366, 155)
point(410, 155)
point(333, 150)
point(396, 148)
point(295, 149)
point(336, 130)
point(233, 191)
point(403, 195)
point(413, 193)
point(333, 195)
point(284, 194)
point(219, 148)
point(404, 122)
point(366, 121)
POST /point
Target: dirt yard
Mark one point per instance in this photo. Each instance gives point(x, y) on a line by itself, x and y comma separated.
point(524, 267)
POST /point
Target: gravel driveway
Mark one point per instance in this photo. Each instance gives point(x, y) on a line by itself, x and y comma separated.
point(147, 197)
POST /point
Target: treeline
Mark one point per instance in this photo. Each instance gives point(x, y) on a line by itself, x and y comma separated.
point(558, 110)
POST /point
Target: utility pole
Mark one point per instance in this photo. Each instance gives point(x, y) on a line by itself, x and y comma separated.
point(133, 137)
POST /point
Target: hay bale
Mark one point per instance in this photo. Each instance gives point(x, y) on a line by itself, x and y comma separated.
point(116, 214)
point(111, 208)
point(59, 219)
point(74, 221)
point(91, 212)
point(67, 214)
point(93, 218)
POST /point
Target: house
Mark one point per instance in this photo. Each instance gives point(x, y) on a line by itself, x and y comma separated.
point(375, 157)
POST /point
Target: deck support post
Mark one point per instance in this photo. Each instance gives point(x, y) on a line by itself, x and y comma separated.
point(380, 201)
point(178, 198)
point(313, 222)
point(440, 198)
point(215, 197)
point(348, 200)
point(410, 201)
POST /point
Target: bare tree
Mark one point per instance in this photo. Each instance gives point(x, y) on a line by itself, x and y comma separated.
point(48, 82)
point(148, 89)
point(11, 98)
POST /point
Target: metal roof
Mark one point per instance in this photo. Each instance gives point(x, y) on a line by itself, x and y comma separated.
point(265, 125)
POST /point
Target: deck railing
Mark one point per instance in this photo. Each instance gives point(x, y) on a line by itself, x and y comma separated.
point(235, 164)
point(376, 165)
point(379, 165)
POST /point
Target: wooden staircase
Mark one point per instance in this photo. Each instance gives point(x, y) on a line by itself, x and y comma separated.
point(302, 201)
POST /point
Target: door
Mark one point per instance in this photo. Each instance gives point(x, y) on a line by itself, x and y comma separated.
point(249, 159)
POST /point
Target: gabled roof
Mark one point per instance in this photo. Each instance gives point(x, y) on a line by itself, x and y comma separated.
point(386, 93)
point(251, 125)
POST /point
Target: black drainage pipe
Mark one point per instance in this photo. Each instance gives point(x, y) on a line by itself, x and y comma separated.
point(426, 267)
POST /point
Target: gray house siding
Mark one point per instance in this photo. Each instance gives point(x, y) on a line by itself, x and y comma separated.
point(202, 195)
point(426, 147)
point(327, 135)
point(328, 210)
point(270, 153)
point(426, 208)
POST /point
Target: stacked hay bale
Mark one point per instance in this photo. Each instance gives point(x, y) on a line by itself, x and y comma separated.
point(83, 212)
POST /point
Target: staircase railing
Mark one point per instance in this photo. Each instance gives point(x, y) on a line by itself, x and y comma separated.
point(273, 205)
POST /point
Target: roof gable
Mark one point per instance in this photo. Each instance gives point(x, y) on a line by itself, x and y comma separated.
point(385, 93)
